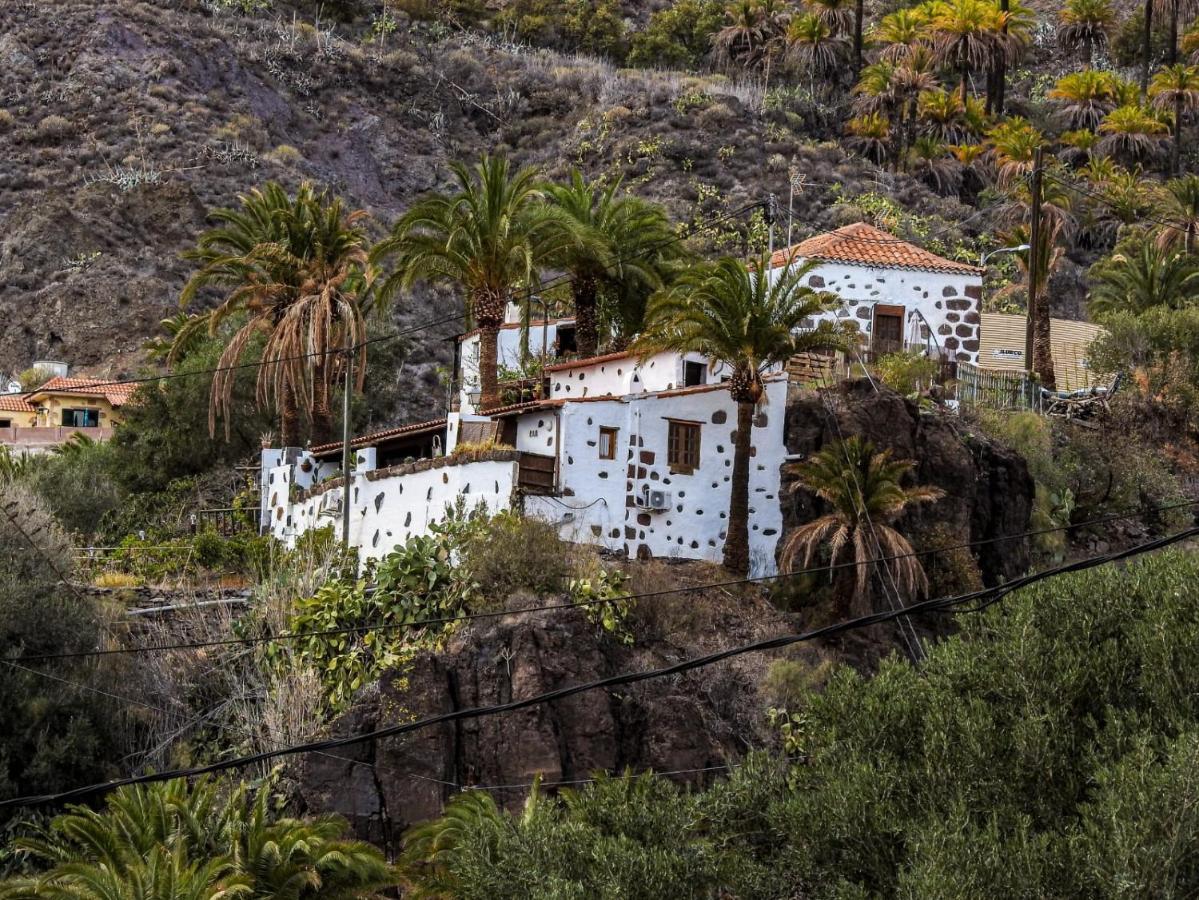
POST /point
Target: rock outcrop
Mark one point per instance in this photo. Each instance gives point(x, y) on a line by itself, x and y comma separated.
point(988, 489)
point(678, 724)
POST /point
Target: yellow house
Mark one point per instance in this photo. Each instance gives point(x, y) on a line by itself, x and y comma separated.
point(78, 403)
point(16, 412)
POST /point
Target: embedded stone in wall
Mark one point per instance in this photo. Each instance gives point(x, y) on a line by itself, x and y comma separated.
point(379, 501)
point(863, 313)
point(944, 329)
point(760, 420)
point(971, 345)
point(949, 291)
point(972, 317)
point(952, 317)
point(408, 519)
point(974, 291)
point(815, 281)
point(963, 331)
point(959, 304)
point(644, 519)
point(647, 457)
point(719, 417)
point(951, 343)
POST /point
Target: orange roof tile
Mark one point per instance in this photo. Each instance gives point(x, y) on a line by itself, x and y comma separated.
point(864, 245)
point(589, 361)
point(15, 403)
point(116, 393)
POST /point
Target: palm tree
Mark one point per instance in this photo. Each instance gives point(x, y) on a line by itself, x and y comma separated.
point(838, 15)
point(869, 136)
point(1181, 208)
point(1014, 143)
point(862, 488)
point(964, 37)
point(1147, 276)
point(171, 840)
point(813, 47)
point(296, 271)
point(742, 41)
point(490, 235)
point(1176, 89)
point(1011, 34)
point(1088, 96)
point(429, 848)
point(899, 32)
point(748, 318)
point(1086, 24)
point(931, 162)
point(622, 244)
point(1131, 133)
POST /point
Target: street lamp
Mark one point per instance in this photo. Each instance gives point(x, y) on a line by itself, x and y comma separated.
point(982, 260)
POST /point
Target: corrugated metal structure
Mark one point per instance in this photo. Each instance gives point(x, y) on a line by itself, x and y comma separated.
point(1002, 339)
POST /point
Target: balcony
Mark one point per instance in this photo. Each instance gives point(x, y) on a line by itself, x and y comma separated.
point(43, 440)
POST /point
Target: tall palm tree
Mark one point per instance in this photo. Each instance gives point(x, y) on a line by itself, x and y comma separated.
point(490, 235)
point(869, 136)
point(748, 318)
point(814, 48)
point(862, 487)
point(172, 840)
point(899, 32)
point(296, 270)
point(1176, 89)
point(838, 15)
point(964, 37)
point(622, 245)
point(743, 39)
point(1011, 34)
point(1146, 277)
point(1087, 96)
point(1014, 143)
point(1131, 133)
point(1086, 24)
point(1181, 209)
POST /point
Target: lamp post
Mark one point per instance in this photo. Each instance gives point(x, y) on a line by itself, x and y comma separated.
point(1020, 248)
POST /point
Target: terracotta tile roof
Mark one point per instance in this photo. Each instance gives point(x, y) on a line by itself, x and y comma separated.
point(379, 436)
point(864, 245)
point(589, 361)
point(15, 403)
point(114, 392)
point(527, 406)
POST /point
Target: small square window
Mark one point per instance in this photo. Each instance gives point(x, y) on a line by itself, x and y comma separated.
point(607, 442)
point(694, 373)
point(682, 447)
point(5, 423)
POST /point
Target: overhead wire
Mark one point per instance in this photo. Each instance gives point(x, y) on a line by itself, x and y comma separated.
point(987, 595)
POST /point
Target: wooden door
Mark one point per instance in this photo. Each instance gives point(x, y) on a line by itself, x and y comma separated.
point(887, 336)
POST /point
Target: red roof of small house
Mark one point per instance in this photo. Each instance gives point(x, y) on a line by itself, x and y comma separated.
point(116, 393)
point(15, 403)
point(864, 245)
point(378, 437)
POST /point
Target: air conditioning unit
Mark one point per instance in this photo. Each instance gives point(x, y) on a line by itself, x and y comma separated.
point(654, 499)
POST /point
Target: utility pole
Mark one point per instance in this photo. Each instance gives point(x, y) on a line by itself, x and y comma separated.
point(345, 455)
point(1038, 355)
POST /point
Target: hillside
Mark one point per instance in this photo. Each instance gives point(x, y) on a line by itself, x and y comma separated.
point(127, 121)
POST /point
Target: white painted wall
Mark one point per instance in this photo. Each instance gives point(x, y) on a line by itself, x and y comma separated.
point(599, 496)
point(625, 375)
point(387, 510)
point(949, 301)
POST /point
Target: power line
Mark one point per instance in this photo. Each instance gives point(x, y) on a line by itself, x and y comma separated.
point(989, 595)
point(1110, 205)
point(582, 604)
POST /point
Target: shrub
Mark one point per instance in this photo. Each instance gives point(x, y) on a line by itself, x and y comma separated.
point(907, 373)
point(589, 26)
point(509, 552)
point(53, 128)
point(79, 485)
point(679, 36)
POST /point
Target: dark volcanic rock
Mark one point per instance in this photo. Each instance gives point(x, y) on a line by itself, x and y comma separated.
point(684, 723)
point(988, 489)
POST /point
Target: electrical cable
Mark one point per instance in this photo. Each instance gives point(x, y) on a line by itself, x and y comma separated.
point(582, 604)
point(625, 678)
point(1108, 203)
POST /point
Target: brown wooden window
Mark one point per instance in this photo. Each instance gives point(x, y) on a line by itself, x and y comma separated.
point(607, 442)
point(682, 446)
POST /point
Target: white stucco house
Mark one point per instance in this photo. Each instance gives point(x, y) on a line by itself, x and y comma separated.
point(899, 296)
point(631, 455)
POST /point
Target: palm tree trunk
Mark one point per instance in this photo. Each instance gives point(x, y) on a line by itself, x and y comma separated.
point(964, 86)
point(736, 541)
point(1001, 66)
point(1172, 52)
point(586, 327)
point(322, 414)
point(859, 16)
point(1146, 47)
point(1176, 150)
point(1042, 355)
point(289, 418)
point(489, 308)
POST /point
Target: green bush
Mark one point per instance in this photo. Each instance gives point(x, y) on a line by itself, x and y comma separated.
point(907, 373)
point(509, 552)
point(79, 485)
point(1049, 750)
point(679, 36)
point(588, 26)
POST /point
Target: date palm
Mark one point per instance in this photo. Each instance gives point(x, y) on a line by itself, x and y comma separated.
point(1175, 89)
point(1180, 208)
point(490, 235)
point(750, 319)
point(295, 270)
point(838, 15)
point(621, 244)
point(743, 39)
point(869, 136)
point(942, 116)
point(1014, 143)
point(1087, 97)
point(863, 489)
point(814, 48)
point(1149, 276)
point(1131, 133)
point(964, 37)
point(899, 32)
point(1086, 24)
point(172, 840)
